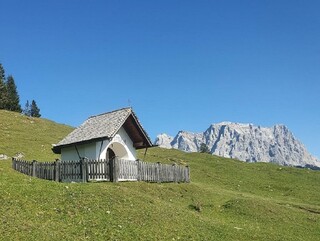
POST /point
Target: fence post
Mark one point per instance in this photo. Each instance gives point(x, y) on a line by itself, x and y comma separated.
point(174, 172)
point(188, 174)
point(57, 170)
point(117, 169)
point(114, 170)
point(83, 174)
point(13, 164)
point(138, 170)
point(111, 167)
point(34, 163)
point(84, 170)
point(158, 167)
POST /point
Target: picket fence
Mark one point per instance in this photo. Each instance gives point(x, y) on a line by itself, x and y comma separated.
point(114, 170)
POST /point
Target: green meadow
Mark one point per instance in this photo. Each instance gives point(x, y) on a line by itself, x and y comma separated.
point(226, 199)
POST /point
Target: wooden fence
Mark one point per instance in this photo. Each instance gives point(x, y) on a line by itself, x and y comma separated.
point(43, 170)
point(157, 172)
point(103, 170)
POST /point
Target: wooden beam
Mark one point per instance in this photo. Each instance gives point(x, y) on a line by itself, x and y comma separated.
point(138, 144)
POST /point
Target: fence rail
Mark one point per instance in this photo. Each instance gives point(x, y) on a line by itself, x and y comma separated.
point(43, 170)
point(103, 170)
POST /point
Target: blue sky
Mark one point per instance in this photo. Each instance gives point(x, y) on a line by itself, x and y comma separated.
point(182, 65)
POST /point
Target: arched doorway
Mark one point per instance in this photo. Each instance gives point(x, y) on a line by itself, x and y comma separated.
point(110, 154)
point(116, 149)
point(115, 152)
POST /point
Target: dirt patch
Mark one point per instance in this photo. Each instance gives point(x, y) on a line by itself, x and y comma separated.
point(309, 210)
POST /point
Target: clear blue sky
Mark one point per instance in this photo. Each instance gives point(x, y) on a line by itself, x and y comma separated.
point(182, 64)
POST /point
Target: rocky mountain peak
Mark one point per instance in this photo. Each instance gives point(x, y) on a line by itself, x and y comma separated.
point(245, 142)
point(164, 140)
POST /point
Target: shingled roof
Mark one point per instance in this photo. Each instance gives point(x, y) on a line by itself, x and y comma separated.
point(106, 126)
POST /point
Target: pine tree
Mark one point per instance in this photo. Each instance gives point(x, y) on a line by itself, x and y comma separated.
point(13, 103)
point(204, 148)
point(34, 110)
point(3, 90)
point(2, 73)
point(27, 109)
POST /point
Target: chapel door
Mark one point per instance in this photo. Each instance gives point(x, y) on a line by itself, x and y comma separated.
point(110, 154)
point(112, 165)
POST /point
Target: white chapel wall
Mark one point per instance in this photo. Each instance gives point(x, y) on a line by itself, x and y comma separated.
point(121, 144)
point(85, 151)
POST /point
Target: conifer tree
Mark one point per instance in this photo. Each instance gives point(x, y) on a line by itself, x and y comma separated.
point(204, 148)
point(3, 90)
point(27, 109)
point(13, 100)
point(34, 110)
point(2, 73)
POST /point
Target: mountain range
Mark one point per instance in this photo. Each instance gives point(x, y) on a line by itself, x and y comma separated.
point(245, 142)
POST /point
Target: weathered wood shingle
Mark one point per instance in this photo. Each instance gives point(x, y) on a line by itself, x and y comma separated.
point(100, 127)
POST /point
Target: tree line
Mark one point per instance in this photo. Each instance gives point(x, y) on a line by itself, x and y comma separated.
point(9, 97)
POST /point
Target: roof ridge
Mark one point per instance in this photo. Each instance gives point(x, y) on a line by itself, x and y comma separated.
point(121, 123)
point(111, 112)
point(104, 125)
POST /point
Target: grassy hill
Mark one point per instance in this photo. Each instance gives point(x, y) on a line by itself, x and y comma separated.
point(31, 136)
point(226, 200)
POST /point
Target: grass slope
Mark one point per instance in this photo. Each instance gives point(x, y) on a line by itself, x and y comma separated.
point(226, 200)
point(31, 136)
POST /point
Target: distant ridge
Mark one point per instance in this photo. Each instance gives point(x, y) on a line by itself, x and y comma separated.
point(245, 142)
